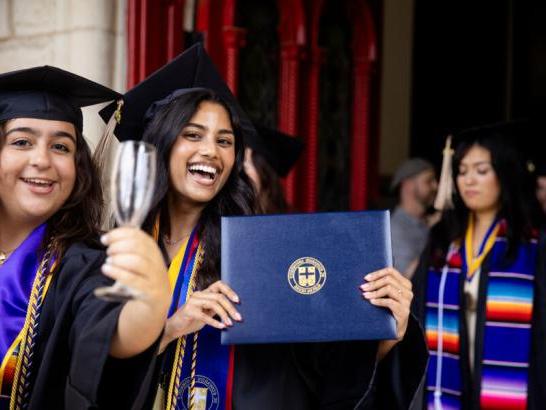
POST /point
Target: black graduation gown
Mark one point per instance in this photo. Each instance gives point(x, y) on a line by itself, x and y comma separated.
point(337, 375)
point(72, 368)
point(537, 370)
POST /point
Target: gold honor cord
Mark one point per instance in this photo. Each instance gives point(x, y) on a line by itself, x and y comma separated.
point(473, 263)
point(29, 333)
point(176, 373)
point(192, 372)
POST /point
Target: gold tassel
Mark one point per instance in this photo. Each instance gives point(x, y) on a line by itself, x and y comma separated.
point(103, 159)
point(444, 197)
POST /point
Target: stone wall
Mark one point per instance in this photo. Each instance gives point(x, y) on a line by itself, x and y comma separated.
point(86, 37)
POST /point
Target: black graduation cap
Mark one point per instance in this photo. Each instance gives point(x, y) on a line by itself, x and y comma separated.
point(280, 150)
point(49, 93)
point(191, 69)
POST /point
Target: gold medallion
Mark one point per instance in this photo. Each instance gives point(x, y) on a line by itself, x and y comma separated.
point(306, 275)
point(206, 395)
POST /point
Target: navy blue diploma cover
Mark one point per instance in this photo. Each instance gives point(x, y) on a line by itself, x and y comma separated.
point(298, 276)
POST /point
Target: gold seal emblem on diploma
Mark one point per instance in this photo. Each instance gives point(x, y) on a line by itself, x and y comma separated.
point(306, 275)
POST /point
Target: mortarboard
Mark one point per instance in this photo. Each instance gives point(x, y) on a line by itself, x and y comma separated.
point(191, 69)
point(280, 150)
point(49, 93)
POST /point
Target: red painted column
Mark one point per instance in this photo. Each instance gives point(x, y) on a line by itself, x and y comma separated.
point(309, 172)
point(175, 31)
point(308, 167)
point(202, 20)
point(360, 133)
point(133, 42)
point(364, 46)
point(209, 21)
point(288, 104)
point(154, 36)
point(222, 39)
point(234, 40)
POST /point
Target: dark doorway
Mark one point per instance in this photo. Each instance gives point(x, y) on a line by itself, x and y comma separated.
point(335, 109)
point(259, 61)
point(477, 63)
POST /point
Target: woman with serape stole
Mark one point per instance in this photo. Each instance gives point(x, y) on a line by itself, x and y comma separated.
point(480, 285)
point(199, 133)
point(60, 346)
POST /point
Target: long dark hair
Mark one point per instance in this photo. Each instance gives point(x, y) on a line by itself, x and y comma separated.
point(235, 198)
point(516, 200)
point(78, 218)
point(270, 198)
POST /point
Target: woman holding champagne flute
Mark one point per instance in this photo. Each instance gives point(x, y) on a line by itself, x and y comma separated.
point(60, 346)
point(199, 133)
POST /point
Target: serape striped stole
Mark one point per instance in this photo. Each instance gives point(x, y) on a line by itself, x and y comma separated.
point(506, 332)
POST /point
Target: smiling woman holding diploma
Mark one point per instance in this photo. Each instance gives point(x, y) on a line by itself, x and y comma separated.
point(189, 114)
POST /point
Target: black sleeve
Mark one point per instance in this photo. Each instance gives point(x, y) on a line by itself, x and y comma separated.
point(401, 373)
point(419, 282)
point(138, 376)
point(94, 377)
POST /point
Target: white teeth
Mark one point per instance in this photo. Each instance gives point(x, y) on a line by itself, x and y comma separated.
point(203, 168)
point(38, 181)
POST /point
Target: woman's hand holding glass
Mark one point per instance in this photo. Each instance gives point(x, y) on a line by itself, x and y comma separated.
point(214, 306)
point(134, 260)
point(132, 187)
point(388, 288)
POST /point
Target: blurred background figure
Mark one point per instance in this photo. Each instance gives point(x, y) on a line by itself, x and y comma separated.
point(540, 185)
point(270, 156)
point(415, 184)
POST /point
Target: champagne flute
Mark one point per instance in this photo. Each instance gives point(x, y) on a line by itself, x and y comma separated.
point(131, 190)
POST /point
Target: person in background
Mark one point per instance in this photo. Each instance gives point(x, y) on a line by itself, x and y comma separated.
point(415, 183)
point(480, 285)
point(540, 185)
point(60, 346)
point(269, 156)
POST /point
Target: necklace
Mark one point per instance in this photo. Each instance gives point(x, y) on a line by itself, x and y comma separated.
point(171, 242)
point(475, 257)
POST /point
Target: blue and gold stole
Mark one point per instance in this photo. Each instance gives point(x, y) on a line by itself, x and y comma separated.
point(200, 370)
point(24, 280)
point(507, 329)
